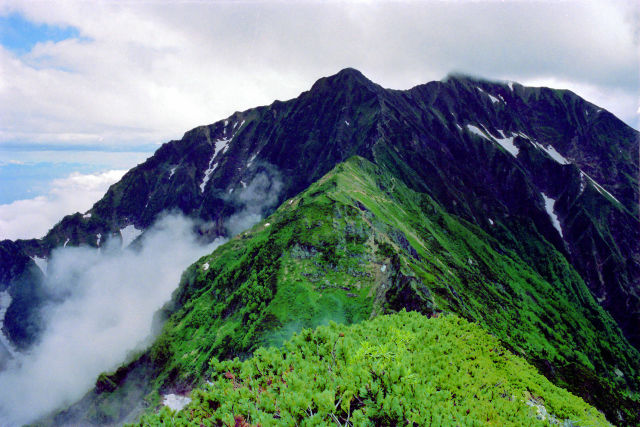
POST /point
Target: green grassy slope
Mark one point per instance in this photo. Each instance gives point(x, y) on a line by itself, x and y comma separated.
point(397, 369)
point(359, 243)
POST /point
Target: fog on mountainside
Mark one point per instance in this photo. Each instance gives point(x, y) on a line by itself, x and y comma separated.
point(261, 193)
point(106, 301)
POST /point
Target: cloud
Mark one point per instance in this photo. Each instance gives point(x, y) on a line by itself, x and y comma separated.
point(261, 194)
point(108, 298)
point(32, 218)
point(148, 71)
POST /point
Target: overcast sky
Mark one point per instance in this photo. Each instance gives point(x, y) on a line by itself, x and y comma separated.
point(130, 75)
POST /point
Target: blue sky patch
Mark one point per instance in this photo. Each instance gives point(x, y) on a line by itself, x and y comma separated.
point(20, 35)
point(27, 173)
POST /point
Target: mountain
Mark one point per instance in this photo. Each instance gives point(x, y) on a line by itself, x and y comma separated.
point(446, 139)
point(356, 244)
point(513, 207)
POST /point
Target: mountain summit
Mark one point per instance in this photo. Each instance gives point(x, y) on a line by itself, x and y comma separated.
point(514, 207)
point(348, 79)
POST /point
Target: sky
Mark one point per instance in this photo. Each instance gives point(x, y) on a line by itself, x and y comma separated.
point(92, 88)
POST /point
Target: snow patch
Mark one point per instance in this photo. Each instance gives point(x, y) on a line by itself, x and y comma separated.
point(175, 401)
point(172, 171)
point(66, 242)
point(5, 302)
point(583, 182)
point(86, 216)
point(220, 145)
point(553, 153)
point(207, 174)
point(490, 221)
point(510, 84)
point(250, 162)
point(98, 239)
point(549, 204)
point(129, 234)
point(477, 131)
point(205, 266)
point(347, 123)
point(244, 184)
point(597, 186)
point(506, 142)
point(41, 263)
point(458, 126)
point(493, 98)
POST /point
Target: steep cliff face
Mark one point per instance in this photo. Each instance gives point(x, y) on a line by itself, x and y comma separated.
point(21, 279)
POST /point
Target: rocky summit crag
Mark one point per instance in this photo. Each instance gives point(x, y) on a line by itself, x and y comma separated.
point(514, 207)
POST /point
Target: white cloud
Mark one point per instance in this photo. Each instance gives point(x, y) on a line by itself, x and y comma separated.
point(107, 301)
point(146, 72)
point(32, 218)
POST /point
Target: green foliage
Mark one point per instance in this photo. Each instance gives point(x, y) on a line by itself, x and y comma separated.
point(359, 243)
point(397, 369)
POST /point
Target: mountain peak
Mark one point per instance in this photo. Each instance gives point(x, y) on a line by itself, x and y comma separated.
point(349, 73)
point(345, 78)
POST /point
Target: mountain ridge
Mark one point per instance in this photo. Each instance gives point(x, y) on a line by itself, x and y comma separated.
point(356, 244)
point(537, 170)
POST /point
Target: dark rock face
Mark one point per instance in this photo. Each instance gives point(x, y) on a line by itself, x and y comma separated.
point(497, 155)
point(22, 279)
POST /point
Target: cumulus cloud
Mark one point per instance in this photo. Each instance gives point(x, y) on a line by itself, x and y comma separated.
point(107, 301)
point(32, 218)
point(148, 71)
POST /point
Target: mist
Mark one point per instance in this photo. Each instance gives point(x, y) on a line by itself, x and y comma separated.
point(105, 301)
point(261, 194)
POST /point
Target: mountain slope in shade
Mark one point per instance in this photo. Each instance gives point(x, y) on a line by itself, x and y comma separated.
point(358, 243)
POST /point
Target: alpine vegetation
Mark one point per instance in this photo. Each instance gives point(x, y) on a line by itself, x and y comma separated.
point(401, 369)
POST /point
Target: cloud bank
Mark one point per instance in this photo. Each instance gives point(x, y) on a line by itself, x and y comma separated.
point(32, 218)
point(107, 299)
point(142, 72)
